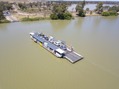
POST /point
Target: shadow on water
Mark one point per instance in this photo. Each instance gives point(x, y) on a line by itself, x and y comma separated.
point(58, 25)
point(78, 22)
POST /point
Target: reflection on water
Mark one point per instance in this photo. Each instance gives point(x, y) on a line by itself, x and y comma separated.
point(57, 26)
point(26, 65)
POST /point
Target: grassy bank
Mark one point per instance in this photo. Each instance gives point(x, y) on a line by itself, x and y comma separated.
point(33, 19)
point(109, 13)
point(4, 21)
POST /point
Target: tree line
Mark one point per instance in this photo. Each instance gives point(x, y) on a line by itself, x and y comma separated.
point(100, 9)
point(107, 10)
point(35, 6)
point(59, 10)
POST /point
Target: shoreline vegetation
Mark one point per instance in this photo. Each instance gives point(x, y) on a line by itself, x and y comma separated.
point(4, 21)
point(34, 19)
point(35, 11)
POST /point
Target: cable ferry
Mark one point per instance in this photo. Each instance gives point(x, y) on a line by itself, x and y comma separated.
point(56, 47)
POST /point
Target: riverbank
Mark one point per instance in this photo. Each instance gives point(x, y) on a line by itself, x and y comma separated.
point(74, 14)
point(4, 21)
point(34, 19)
point(43, 12)
point(25, 16)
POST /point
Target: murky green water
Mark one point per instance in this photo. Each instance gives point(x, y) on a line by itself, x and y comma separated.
point(26, 65)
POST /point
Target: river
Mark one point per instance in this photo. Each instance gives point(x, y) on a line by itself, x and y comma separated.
point(26, 65)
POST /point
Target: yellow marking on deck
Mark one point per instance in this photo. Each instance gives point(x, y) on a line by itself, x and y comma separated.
point(41, 44)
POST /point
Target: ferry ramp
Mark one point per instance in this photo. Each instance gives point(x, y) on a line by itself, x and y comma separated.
point(73, 57)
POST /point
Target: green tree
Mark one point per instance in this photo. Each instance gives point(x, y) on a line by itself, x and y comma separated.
point(67, 15)
point(83, 3)
point(99, 8)
point(1, 15)
point(114, 8)
point(80, 9)
point(8, 6)
point(53, 16)
point(81, 13)
point(59, 11)
point(113, 13)
point(109, 13)
point(105, 13)
point(106, 8)
point(4, 6)
point(23, 6)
